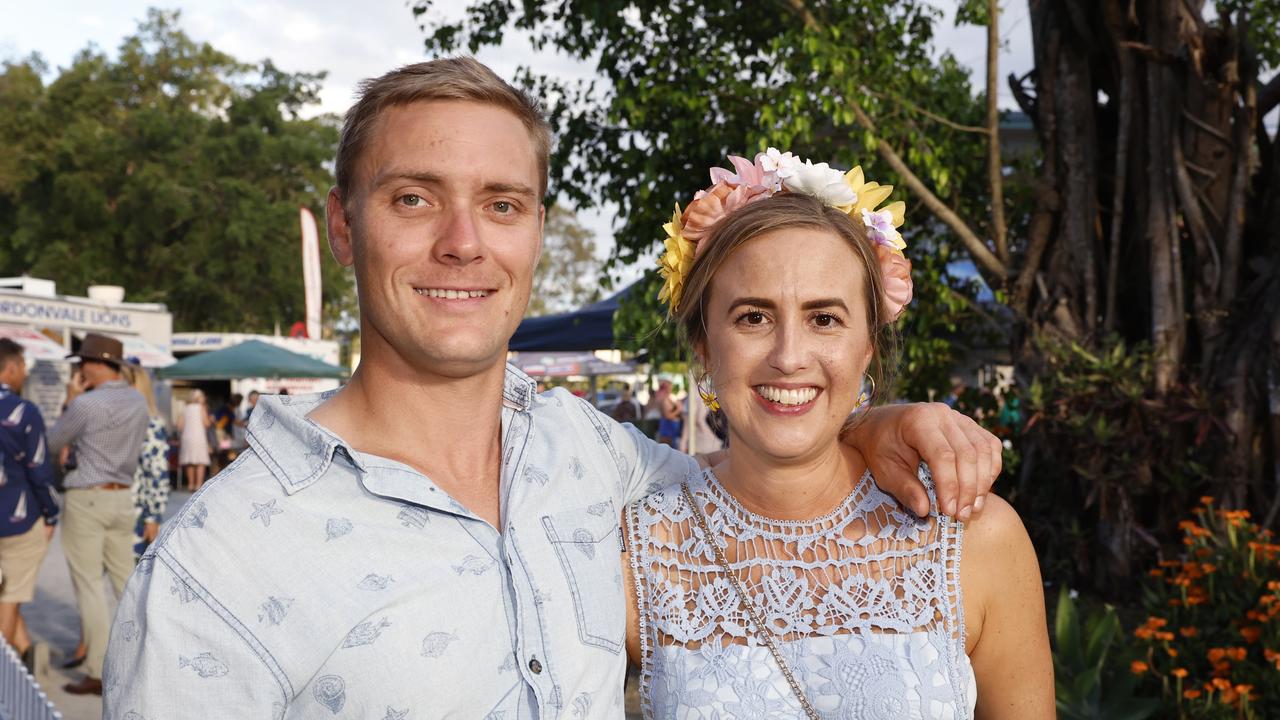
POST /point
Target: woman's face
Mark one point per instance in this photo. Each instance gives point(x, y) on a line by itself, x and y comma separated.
point(787, 341)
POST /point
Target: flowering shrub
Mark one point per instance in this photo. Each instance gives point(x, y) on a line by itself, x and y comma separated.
point(1212, 643)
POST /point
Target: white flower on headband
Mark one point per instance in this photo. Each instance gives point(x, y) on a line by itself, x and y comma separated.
point(821, 181)
point(781, 164)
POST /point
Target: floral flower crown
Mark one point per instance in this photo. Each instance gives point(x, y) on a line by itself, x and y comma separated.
point(771, 173)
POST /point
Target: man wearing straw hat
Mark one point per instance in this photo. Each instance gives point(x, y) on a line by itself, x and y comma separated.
point(104, 422)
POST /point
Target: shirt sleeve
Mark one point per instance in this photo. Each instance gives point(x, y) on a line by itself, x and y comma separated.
point(40, 465)
point(175, 653)
point(70, 423)
point(652, 464)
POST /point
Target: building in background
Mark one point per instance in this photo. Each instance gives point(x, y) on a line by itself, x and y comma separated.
point(32, 312)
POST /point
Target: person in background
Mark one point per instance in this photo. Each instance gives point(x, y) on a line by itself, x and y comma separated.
point(627, 409)
point(224, 420)
point(253, 403)
point(151, 479)
point(699, 433)
point(28, 503)
point(670, 415)
point(105, 421)
point(193, 428)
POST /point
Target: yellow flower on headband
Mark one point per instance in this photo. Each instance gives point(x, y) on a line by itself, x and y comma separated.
point(675, 263)
point(882, 225)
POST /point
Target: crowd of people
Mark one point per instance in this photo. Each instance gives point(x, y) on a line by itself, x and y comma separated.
point(103, 472)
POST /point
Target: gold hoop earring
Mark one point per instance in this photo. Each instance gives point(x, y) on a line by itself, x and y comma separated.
point(708, 394)
point(864, 398)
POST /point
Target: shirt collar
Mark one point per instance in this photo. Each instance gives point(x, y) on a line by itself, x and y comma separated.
point(298, 451)
point(111, 384)
point(518, 389)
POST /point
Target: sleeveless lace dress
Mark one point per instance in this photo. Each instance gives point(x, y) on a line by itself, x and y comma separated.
point(863, 603)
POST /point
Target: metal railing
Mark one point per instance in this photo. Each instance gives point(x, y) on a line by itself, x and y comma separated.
point(20, 695)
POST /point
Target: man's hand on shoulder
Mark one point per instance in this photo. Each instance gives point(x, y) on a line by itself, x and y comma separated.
point(963, 457)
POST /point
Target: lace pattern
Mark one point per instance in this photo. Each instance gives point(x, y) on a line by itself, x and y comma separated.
point(864, 603)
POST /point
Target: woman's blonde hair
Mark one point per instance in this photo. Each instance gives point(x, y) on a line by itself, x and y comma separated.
point(140, 379)
point(781, 212)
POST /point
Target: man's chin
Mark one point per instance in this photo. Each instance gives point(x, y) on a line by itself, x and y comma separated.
point(457, 364)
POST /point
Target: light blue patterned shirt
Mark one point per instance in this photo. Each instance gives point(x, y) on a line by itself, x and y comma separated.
point(311, 580)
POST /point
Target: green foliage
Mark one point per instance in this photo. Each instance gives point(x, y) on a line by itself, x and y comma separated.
point(1098, 440)
point(1211, 637)
point(173, 170)
point(1091, 682)
point(1264, 19)
point(688, 82)
point(567, 276)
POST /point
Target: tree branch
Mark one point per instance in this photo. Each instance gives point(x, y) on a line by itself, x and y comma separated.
point(995, 167)
point(1209, 129)
point(1117, 200)
point(1269, 96)
point(982, 255)
point(919, 110)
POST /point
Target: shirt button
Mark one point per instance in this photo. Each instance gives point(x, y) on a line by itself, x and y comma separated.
point(535, 666)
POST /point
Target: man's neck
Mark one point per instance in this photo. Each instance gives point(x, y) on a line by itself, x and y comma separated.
point(446, 428)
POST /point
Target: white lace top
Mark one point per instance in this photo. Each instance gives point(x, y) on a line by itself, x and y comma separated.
point(863, 603)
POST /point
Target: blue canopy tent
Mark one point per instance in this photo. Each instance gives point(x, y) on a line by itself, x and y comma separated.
point(587, 328)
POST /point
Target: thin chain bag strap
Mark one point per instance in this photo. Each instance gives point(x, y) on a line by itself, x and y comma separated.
point(747, 605)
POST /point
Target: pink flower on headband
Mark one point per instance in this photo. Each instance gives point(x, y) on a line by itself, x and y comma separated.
point(709, 206)
point(746, 173)
point(895, 272)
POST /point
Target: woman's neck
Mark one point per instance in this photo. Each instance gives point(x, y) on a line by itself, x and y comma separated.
point(791, 488)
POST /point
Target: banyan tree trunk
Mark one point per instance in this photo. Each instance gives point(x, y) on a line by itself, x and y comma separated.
point(1157, 219)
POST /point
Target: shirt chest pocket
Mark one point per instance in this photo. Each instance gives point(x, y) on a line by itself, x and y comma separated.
point(586, 541)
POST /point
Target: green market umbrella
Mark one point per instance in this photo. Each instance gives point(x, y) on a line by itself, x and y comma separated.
point(250, 359)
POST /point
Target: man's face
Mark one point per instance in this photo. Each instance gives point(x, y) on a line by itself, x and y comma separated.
point(444, 227)
point(14, 374)
point(95, 373)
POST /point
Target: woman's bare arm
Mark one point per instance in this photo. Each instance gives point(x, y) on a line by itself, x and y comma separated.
point(1008, 637)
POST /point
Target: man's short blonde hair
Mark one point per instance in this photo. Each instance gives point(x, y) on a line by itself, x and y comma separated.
point(459, 78)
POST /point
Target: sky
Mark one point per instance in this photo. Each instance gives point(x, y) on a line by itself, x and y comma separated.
point(353, 41)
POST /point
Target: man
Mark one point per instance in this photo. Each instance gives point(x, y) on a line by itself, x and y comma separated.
point(105, 422)
point(435, 539)
point(627, 409)
point(28, 505)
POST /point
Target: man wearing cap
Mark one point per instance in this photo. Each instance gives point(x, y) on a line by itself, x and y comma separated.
point(105, 422)
point(28, 508)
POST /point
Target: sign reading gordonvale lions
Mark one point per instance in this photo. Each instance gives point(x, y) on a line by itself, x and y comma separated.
point(45, 311)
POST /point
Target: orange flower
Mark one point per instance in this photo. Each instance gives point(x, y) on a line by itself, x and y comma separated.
point(1173, 652)
point(1251, 633)
point(1179, 672)
point(1206, 499)
point(1189, 631)
point(1137, 667)
point(1220, 684)
point(1191, 694)
point(1164, 636)
point(1237, 654)
point(1216, 655)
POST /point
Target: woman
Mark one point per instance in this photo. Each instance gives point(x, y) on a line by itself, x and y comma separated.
point(775, 585)
point(193, 426)
point(151, 479)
